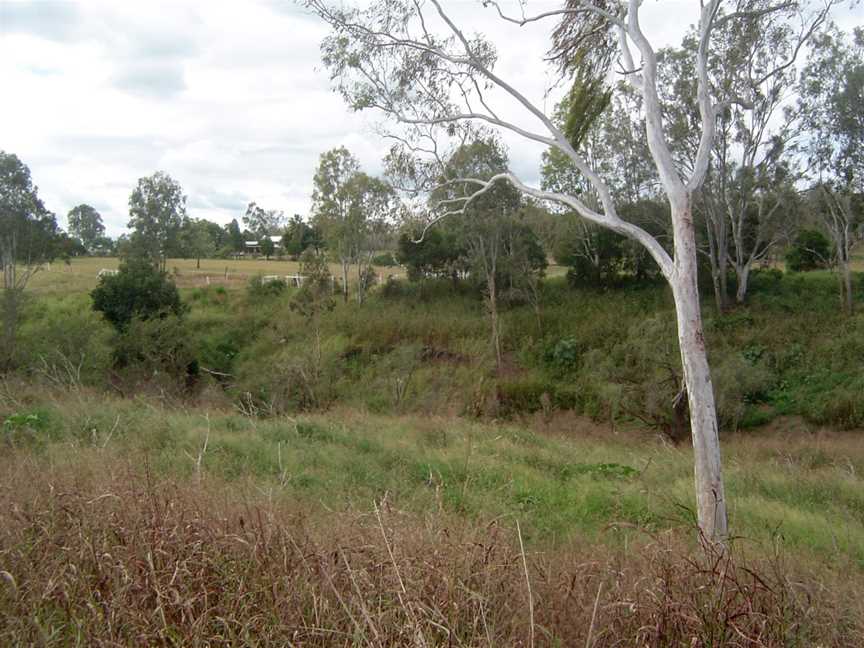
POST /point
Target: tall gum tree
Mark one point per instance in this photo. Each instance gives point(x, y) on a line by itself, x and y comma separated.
point(430, 77)
point(749, 188)
point(831, 93)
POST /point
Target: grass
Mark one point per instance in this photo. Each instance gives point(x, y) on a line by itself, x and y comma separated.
point(81, 273)
point(523, 505)
point(131, 522)
point(802, 491)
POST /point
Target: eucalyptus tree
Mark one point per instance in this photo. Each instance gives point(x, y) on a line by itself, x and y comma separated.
point(354, 212)
point(831, 99)
point(199, 238)
point(376, 209)
point(157, 210)
point(263, 222)
point(331, 206)
point(85, 224)
point(487, 227)
point(412, 61)
point(749, 190)
point(27, 233)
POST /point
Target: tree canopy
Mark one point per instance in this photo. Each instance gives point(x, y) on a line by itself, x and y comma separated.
point(157, 208)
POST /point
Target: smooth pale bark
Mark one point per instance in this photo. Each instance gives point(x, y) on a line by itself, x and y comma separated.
point(345, 280)
point(743, 274)
point(710, 496)
point(496, 327)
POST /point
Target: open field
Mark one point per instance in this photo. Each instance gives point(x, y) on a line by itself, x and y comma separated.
point(162, 494)
point(81, 274)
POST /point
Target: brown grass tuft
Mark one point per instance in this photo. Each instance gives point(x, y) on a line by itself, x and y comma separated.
point(109, 555)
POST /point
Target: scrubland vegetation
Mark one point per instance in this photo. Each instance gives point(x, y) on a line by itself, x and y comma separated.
point(394, 423)
point(398, 487)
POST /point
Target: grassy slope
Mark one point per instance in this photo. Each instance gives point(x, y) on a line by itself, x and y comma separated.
point(84, 474)
point(803, 492)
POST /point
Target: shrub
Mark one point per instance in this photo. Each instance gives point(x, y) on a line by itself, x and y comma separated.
point(139, 291)
point(159, 345)
point(811, 250)
point(65, 340)
point(258, 288)
point(563, 355)
point(387, 260)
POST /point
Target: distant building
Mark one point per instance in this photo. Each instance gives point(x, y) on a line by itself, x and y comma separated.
point(254, 247)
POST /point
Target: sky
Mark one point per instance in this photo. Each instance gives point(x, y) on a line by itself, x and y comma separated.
point(227, 96)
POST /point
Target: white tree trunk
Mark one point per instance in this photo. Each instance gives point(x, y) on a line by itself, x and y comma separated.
point(743, 274)
point(710, 497)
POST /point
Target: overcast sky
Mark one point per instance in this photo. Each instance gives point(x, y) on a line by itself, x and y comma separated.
point(229, 97)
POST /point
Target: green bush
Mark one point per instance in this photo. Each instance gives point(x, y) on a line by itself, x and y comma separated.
point(157, 348)
point(64, 339)
point(139, 291)
point(810, 250)
point(523, 396)
point(563, 355)
point(387, 260)
point(259, 289)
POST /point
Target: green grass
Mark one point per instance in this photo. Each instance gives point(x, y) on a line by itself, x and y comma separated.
point(608, 355)
point(805, 493)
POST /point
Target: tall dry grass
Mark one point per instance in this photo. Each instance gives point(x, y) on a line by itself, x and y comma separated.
point(103, 552)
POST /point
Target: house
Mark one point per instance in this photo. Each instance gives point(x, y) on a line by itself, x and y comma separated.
point(254, 247)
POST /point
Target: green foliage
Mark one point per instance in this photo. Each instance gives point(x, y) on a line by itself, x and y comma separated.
point(258, 288)
point(234, 237)
point(811, 250)
point(563, 356)
point(300, 236)
point(66, 340)
point(139, 291)
point(157, 346)
point(27, 228)
point(157, 208)
point(267, 247)
point(263, 223)
point(85, 224)
point(199, 238)
point(28, 236)
point(386, 260)
point(32, 429)
point(315, 296)
point(437, 254)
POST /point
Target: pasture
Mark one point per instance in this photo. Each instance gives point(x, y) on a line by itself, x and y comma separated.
point(80, 274)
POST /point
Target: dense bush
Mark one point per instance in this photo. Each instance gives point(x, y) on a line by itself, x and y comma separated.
point(259, 288)
point(387, 260)
point(65, 340)
point(138, 290)
point(156, 348)
point(811, 250)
